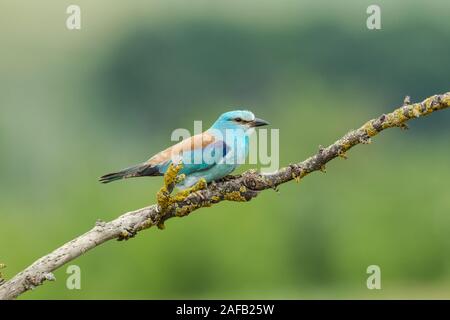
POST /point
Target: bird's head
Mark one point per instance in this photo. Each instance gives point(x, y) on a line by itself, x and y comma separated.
point(238, 119)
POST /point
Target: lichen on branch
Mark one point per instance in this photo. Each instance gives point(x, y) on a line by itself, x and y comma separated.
point(240, 188)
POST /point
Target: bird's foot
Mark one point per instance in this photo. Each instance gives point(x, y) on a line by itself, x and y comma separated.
point(199, 185)
point(167, 201)
point(163, 196)
point(180, 178)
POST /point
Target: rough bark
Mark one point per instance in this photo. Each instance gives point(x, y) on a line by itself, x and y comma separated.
point(236, 188)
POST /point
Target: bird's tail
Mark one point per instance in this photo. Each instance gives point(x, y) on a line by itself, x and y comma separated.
point(140, 170)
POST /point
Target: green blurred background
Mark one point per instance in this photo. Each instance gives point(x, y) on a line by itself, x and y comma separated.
point(77, 104)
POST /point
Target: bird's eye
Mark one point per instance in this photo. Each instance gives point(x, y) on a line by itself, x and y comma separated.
point(238, 119)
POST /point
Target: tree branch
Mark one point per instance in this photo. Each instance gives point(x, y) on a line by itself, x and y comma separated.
point(237, 188)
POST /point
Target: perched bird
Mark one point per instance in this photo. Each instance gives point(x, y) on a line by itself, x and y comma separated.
point(211, 155)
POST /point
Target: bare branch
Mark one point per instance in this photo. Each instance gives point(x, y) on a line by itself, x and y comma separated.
point(237, 188)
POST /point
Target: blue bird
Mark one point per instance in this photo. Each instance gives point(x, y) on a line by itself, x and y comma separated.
point(211, 155)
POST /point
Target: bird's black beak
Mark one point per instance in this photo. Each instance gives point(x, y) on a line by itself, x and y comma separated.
point(258, 123)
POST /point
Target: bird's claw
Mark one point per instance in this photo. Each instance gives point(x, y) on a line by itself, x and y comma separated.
point(166, 200)
point(180, 178)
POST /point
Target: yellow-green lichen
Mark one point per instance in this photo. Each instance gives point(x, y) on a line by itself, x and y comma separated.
point(171, 175)
point(166, 200)
point(187, 209)
point(182, 195)
point(298, 176)
point(170, 179)
point(234, 196)
point(399, 116)
point(416, 111)
point(145, 225)
point(345, 144)
point(369, 129)
point(184, 211)
point(342, 154)
point(161, 225)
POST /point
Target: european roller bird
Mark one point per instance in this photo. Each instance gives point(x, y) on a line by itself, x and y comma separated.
point(210, 155)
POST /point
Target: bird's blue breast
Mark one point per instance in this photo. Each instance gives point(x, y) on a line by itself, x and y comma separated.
point(216, 160)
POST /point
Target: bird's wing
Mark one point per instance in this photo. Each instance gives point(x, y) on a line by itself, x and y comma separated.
point(191, 151)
